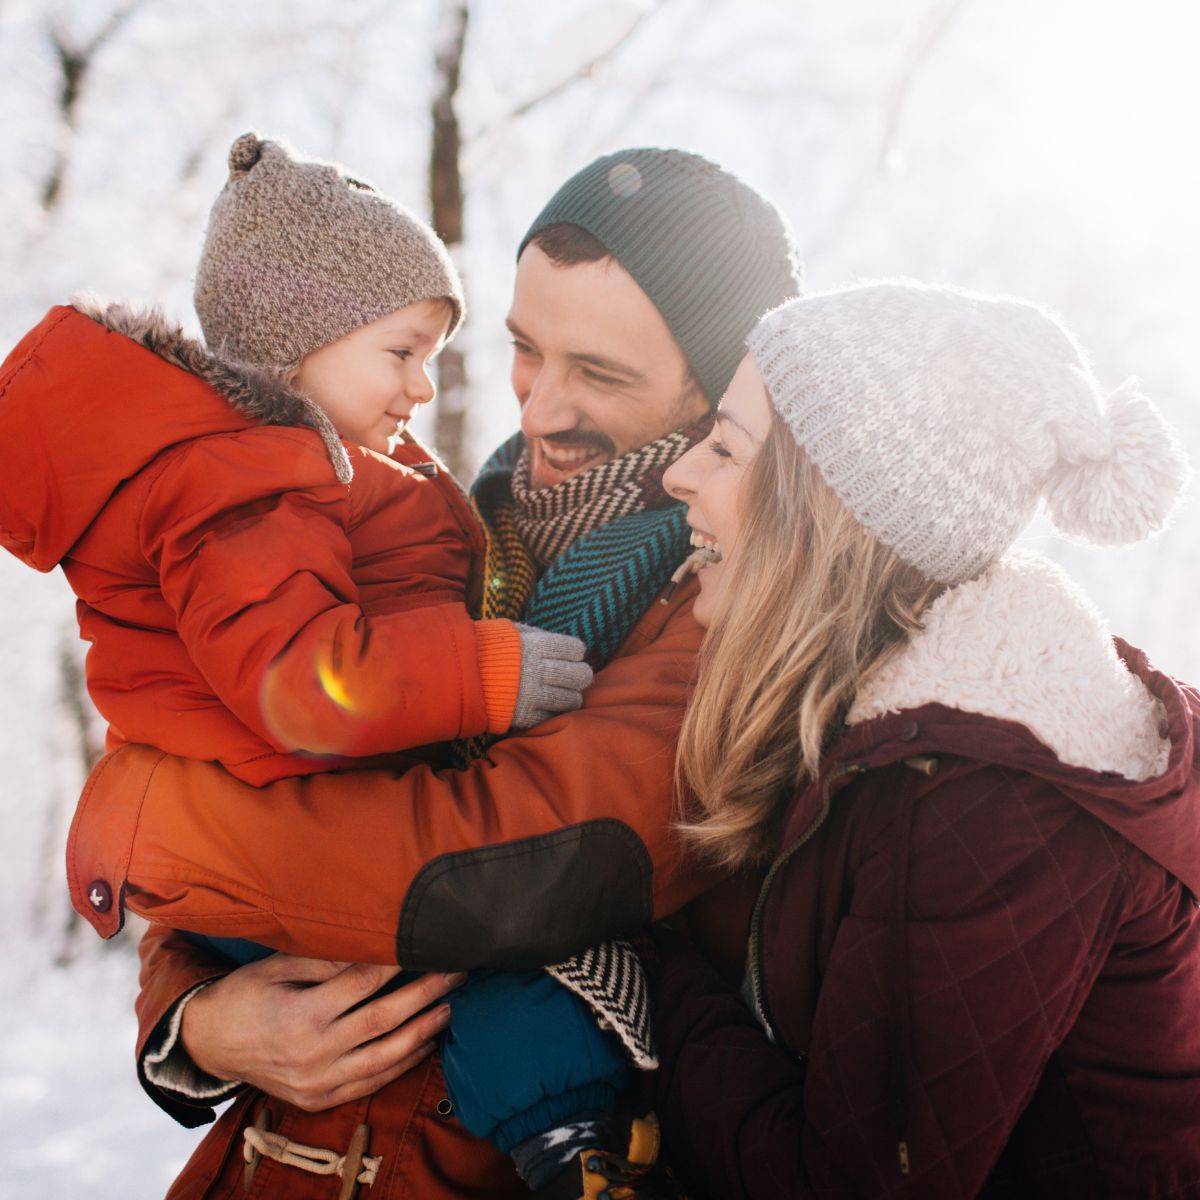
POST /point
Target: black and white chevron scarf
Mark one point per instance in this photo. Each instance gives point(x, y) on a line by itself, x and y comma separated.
point(586, 557)
point(607, 559)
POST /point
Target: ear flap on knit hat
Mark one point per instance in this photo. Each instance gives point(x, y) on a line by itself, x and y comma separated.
point(245, 152)
point(1129, 489)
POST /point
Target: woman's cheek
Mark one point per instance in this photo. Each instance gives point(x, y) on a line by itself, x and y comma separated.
point(712, 587)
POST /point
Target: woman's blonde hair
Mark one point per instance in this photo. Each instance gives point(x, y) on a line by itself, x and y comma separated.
point(813, 606)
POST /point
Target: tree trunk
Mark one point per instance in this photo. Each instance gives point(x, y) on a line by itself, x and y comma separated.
point(446, 212)
point(74, 62)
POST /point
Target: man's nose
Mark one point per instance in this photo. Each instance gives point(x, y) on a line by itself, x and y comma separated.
point(547, 407)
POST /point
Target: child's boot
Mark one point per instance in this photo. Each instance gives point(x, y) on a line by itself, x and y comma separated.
point(633, 1173)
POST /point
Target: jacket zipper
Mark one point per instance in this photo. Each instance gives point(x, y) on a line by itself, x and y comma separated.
point(760, 905)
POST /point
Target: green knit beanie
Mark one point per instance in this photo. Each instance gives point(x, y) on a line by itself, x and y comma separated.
point(711, 253)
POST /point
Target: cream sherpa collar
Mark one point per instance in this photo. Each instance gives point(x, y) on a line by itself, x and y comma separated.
point(1022, 643)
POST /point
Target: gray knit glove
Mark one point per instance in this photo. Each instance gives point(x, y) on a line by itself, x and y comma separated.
point(553, 674)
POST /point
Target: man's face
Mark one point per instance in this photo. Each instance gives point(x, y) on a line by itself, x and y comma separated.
point(595, 368)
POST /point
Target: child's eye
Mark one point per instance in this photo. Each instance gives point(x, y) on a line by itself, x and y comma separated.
point(402, 353)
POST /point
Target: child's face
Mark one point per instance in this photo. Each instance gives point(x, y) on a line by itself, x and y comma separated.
point(369, 382)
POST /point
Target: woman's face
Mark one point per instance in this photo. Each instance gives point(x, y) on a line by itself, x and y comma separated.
point(708, 478)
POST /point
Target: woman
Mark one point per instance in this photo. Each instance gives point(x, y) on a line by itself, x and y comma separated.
point(974, 966)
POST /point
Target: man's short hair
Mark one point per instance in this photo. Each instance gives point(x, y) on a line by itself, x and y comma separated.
point(567, 245)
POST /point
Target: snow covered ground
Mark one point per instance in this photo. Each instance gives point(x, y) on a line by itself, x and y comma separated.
point(73, 1118)
point(75, 1121)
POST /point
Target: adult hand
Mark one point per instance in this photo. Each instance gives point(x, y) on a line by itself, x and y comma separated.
point(289, 1026)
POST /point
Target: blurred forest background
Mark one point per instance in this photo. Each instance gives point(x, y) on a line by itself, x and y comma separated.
point(1041, 147)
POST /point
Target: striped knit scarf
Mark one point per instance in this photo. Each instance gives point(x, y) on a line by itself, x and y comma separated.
point(608, 557)
point(551, 519)
point(611, 537)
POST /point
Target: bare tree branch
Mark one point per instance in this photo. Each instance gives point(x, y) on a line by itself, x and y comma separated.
point(584, 70)
point(936, 25)
point(346, 69)
point(74, 62)
point(938, 20)
point(74, 697)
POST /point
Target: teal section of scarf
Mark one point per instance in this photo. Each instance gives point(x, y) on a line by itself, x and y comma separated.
point(598, 588)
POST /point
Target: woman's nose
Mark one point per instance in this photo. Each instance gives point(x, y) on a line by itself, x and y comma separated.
point(678, 477)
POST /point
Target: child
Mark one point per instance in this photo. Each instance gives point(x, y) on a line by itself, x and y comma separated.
point(232, 568)
point(265, 576)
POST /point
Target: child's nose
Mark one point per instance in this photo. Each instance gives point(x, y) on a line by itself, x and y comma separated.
point(421, 388)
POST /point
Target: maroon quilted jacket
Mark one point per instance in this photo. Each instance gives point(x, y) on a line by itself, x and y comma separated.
point(979, 948)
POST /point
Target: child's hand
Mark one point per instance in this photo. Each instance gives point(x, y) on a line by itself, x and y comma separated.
point(553, 676)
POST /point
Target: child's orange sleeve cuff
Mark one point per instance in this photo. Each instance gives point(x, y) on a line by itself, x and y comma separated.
point(498, 645)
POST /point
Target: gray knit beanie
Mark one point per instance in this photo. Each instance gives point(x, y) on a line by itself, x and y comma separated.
point(298, 254)
point(711, 253)
point(941, 417)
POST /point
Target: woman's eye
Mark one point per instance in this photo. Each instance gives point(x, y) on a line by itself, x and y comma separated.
point(719, 449)
point(520, 347)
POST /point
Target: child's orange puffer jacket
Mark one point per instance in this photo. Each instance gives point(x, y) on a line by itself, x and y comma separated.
point(246, 600)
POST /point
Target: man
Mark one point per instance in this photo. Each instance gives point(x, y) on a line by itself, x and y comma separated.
point(635, 289)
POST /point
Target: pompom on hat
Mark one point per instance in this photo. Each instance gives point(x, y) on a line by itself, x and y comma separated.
point(298, 254)
point(941, 417)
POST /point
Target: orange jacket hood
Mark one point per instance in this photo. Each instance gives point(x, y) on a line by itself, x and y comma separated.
point(93, 393)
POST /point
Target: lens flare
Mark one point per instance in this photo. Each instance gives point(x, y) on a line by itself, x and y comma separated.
point(334, 688)
point(313, 712)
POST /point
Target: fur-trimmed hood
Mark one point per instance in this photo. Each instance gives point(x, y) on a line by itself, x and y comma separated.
point(1016, 669)
point(1022, 643)
point(250, 391)
point(94, 393)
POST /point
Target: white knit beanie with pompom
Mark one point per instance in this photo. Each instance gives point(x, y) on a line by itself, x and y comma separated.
point(941, 417)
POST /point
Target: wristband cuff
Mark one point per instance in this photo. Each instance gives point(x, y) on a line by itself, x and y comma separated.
point(553, 1111)
point(498, 647)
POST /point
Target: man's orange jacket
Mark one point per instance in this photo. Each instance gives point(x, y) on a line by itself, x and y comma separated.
point(559, 838)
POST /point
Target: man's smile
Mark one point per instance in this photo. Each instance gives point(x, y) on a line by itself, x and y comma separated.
point(551, 463)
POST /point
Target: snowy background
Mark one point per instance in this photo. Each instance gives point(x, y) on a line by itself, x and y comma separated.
point(1043, 147)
